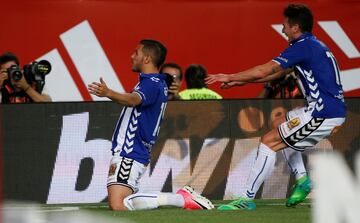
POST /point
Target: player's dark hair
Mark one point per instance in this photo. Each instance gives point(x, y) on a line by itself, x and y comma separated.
point(156, 50)
point(7, 57)
point(301, 15)
point(172, 65)
point(195, 76)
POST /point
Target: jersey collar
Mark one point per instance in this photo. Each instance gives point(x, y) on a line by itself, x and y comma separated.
point(162, 76)
point(303, 36)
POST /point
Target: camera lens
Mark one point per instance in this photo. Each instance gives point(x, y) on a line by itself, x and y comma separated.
point(14, 72)
point(43, 67)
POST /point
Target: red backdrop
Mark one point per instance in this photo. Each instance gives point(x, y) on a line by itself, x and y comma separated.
point(225, 36)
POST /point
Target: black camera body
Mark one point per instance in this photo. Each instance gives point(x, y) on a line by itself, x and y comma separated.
point(169, 79)
point(35, 71)
point(34, 74)
point(14, 73)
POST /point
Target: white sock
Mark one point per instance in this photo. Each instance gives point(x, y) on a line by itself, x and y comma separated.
point(295, 162)
point(264, 163)
point(144, 201)
point(171, 199)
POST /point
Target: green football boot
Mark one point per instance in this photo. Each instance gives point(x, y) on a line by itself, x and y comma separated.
point(301, 189)
point(240, 204)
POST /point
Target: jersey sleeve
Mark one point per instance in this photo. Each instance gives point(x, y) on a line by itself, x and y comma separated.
point(292, 55)
point(148, 92)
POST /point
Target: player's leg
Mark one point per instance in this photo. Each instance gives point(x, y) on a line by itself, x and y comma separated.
point(300, 132)
point(116, 196)
point(144, 201)
point(185, 198)
point(123, 185)
point(124, 175)
point(264, 163)
point(271, 142)
point(295, 162)
point(292, 157)
point(302, 186)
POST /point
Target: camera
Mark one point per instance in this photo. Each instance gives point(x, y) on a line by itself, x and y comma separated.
point(14, 72)
point(33, 72)
point(170, 79)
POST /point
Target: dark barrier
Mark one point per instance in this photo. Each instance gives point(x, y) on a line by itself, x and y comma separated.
point(59, 152)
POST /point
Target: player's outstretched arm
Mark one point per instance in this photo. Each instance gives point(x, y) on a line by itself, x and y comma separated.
point(276, 75)
point(264, 72)
point(101, 90)
point(231, 84)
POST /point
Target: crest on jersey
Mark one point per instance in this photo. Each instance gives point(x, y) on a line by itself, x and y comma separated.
point(112, 169)
point(293, 123)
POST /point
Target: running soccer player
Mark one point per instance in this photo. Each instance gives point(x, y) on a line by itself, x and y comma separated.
point(304, 127)
point(136, 132)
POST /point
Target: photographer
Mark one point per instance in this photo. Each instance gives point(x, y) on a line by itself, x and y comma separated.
point(173, 74)
point(285, 87)
point(18, 90)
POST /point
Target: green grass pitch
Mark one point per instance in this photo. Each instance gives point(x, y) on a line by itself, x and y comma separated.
point(267, 211)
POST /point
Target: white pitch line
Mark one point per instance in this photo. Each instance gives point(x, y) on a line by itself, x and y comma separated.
point(61, 209)
point(39, 209)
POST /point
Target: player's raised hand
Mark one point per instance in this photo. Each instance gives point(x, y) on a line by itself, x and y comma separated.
point(212, 78)
point(99, 89)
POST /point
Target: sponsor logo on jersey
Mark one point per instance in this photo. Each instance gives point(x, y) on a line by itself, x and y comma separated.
point(293, 123)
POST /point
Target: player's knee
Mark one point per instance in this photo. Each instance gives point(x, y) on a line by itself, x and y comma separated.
point(117, 205)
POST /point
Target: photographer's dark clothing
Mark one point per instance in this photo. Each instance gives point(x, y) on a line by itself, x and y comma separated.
point(283, 88)
point(9, 96)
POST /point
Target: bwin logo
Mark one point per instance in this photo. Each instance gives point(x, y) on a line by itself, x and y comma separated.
point(349, 78)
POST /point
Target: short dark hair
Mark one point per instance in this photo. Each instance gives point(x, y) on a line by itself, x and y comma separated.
point(7, 57)
point(156, 50)
point(172, 65)
point(195, 76)
point(301, 15)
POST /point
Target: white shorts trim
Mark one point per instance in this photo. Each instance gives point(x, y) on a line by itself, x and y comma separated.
point(126, 172)
point(302, 130)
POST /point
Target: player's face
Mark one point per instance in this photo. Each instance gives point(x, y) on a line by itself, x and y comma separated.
point(137, 59)
point(289, 30)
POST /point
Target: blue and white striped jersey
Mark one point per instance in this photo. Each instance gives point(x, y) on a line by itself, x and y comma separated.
point(138, 127)
point(319, 79)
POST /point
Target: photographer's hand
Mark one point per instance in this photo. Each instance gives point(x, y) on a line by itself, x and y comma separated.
point(22, 83)
point(33, 94)
point(3, 77)
point(174, 88)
